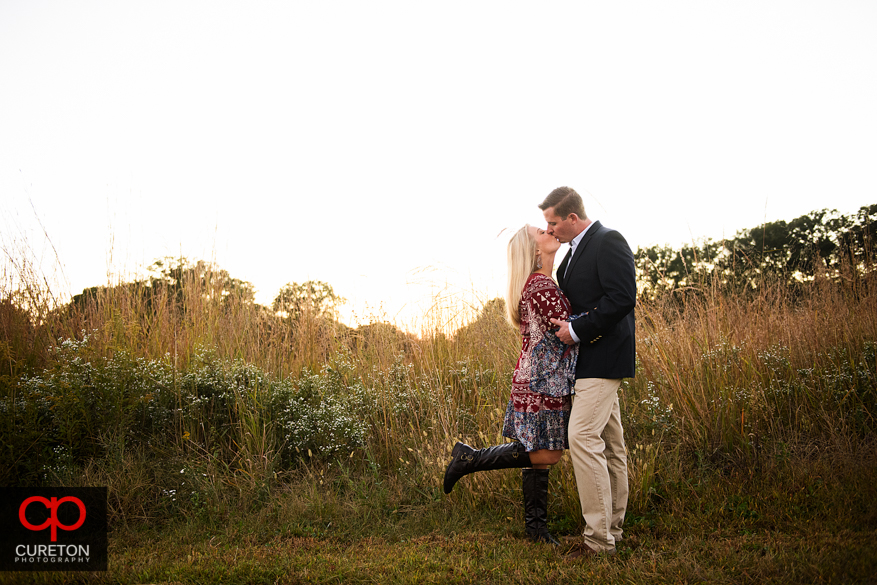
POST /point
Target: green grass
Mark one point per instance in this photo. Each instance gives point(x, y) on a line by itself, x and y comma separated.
point(479, 557)
point(812, 522)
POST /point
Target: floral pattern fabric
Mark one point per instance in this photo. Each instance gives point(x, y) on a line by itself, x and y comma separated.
point(538, 411)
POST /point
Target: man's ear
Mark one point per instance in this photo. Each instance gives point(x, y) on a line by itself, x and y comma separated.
point(573, 218)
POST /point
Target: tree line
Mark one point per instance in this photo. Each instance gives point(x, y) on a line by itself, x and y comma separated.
point(822, 242)
point(169, 278)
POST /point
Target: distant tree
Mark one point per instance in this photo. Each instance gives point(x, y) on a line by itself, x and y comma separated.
point(491, 319)
point(856, 237)
point(662, 268)
point(787, 248)
point(177, 273)
point(490, 336)
point(382, 338)
point(313, 298)
point(168, 280)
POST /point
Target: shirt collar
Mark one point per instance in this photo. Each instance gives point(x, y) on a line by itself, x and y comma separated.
point(575, 241)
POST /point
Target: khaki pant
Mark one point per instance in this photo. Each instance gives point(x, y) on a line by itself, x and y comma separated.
point(596, 445)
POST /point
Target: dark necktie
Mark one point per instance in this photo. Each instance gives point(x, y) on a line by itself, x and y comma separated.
point(566, 260)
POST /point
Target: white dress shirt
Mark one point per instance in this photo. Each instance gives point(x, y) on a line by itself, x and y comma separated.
point(572, 247)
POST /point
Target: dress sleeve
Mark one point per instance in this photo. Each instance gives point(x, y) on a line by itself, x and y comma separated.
point(546, 302)
point(553, 362)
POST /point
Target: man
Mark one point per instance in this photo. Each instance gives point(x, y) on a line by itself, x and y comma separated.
point(598, 277)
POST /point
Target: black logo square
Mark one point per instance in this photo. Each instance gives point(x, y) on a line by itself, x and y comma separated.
point(53, 529)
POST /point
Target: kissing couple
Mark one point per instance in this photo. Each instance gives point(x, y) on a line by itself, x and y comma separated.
point(578, 343)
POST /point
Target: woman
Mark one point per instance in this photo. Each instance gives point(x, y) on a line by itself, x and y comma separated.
point(538, 410)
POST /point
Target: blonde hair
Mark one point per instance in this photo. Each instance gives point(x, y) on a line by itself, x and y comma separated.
point(522, 263)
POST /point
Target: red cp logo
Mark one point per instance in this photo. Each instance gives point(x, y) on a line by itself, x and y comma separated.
point(52, 505)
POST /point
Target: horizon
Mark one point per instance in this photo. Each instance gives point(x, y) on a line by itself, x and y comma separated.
point(361, 315)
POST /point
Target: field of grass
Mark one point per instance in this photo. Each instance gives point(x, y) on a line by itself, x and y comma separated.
point(242, 446)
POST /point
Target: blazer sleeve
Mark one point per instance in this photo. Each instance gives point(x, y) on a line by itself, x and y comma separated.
point(617, 276)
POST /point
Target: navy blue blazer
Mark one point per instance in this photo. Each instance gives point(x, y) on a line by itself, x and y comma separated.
point(601, 281)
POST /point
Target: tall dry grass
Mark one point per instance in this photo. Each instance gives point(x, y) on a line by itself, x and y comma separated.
point(727, 379)
point(741, 367)
point(151, 321)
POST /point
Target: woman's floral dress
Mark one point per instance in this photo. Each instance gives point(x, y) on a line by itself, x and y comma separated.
point(544, 380)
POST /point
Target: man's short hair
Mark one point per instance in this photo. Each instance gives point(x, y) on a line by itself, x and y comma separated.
point(564, 200)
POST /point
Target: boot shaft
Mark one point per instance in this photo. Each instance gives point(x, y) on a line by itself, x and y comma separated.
point(466, 460)
point(534, 484)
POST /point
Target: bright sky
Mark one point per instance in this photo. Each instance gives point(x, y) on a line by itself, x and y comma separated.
point(383, 146)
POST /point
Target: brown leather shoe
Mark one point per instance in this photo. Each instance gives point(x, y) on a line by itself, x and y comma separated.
point(581, 550)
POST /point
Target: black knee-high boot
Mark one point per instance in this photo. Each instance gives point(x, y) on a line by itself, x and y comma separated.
point(466, 460)
point(535, 487)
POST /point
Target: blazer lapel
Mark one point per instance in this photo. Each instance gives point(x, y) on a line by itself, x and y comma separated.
point(580, 249)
